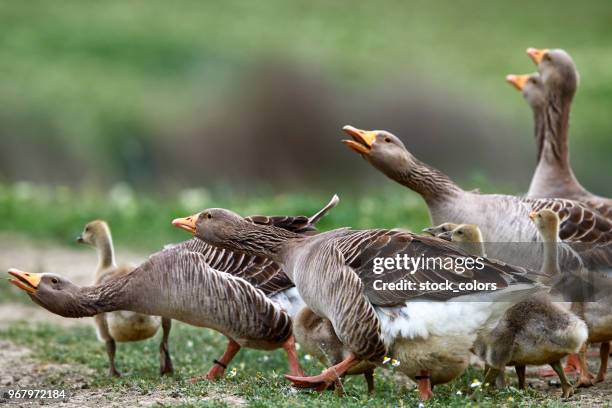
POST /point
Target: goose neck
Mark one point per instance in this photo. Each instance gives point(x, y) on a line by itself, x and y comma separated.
point(106, 252)
point(262, 240)
point(433, 185)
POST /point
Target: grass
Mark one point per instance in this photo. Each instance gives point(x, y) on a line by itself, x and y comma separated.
point(258, 376)
point(93, 74)
point(142, 221)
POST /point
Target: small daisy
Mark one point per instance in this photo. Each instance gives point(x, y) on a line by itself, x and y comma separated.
point(307, 357)
point(395, 363)
point(475, 383)
point(232, 372)
point(386, 360)
point(459, 392)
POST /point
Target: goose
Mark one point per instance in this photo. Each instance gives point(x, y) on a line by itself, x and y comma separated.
point(335, 274)
point(447, 202)
point(468, 237)
point(176, 285)
point(121, 326)
point(439, 229)
point(553, 176)
point(535, 331)
point(264, 275)
point(317, 337)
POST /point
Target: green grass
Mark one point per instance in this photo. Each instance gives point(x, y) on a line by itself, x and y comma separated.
point(83, 73)
point(258, 378)
point(143, 221)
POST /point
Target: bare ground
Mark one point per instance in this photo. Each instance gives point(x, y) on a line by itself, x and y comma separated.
point(17, 368)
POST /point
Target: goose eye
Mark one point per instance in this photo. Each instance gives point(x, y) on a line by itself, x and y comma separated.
point(54, 281)
point(86, 229)
point(387, 139)
point(460, 232)
point(208, 216)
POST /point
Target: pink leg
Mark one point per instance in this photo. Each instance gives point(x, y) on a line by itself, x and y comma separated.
point(292, 357)
point(326, 378)
point(424, 386)
point(218, 369)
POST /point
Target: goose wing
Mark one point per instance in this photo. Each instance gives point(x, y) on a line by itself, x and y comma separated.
point(363, 250)
point(578, 223)
point(262, 273)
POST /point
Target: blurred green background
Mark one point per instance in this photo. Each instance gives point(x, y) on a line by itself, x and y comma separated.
point(140, 111)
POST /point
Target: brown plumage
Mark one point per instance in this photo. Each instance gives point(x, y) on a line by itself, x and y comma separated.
point(551, 99)
point(177, 285)
point(333, 273)
point(501, 218)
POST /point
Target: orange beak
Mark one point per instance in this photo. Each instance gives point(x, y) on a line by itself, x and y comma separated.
point(362, 139)
point(187, 223)
point(536, 54)
point(533, 215)
point(518, 81)
point(25, 280)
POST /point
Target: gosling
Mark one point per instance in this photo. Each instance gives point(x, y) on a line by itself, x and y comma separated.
point(121, 326)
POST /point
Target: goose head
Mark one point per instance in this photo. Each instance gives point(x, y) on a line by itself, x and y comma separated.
point(93, 233)
point(469, 233)
point(440, 229)
point(51, 291)
point(557, 69)
point(547, 223)
point(382, 149)
point(214, 225)
point(532, 88)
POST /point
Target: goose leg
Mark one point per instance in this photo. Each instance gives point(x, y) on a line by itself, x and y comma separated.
point(520, 374)
point(491, 375)
point(369, 377)
point(219, 366)
point(604, 353)
point(500, 380)
point(586, 378)
point(322, 381)
point(165, 362)
point(572, 365)
point(111, 347)
point(424, 386)
point(292, 357)
point(567, 388)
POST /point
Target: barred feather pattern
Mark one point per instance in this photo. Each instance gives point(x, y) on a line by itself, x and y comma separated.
point(263, 273)
point(182, 286)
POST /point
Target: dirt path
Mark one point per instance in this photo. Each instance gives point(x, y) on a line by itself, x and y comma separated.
point(19, 370)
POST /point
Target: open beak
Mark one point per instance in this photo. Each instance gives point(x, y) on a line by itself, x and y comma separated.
point(187, 223)
point(25, 280)
point(518, 81)
point(362, 139)
point(79, 239)
point(536, 54)
point(533, 215)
